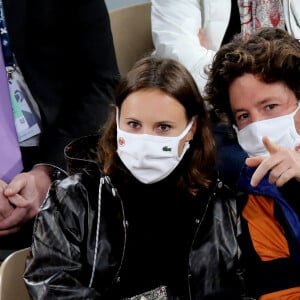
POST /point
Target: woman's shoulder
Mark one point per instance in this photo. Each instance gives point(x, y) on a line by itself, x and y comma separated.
point(70, 193)
point(80, 191)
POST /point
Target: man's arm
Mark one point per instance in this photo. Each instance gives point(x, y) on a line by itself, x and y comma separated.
point(175, 33)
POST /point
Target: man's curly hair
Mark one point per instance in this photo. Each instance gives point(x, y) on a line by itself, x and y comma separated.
point(271, 54)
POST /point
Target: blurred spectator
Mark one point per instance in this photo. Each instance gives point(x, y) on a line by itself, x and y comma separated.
point(65, 52)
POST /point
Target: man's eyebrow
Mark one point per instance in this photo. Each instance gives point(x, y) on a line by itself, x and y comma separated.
point(262, 102)
point(235, 111)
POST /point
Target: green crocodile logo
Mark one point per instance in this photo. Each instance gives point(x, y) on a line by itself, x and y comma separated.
point(166, 148)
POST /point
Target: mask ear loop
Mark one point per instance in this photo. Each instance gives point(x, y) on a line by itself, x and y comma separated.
point(184, 133)
point(296, 110)
point(117, 117)
point(235, 128)
point(187, 128)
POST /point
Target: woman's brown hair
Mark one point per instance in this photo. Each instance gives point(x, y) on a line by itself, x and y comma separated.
point(172, 78)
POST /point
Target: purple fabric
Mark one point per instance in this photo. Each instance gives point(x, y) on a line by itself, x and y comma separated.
point(10, 155)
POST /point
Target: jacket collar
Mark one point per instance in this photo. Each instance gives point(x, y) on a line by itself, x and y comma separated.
point(81, 154)
point(267, 189)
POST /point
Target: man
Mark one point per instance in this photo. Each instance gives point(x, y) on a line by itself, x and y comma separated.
point(255, 86)
point(193, 30)
point(65, 52)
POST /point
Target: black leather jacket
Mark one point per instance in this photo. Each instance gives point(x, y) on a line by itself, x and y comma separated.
point(80, 238)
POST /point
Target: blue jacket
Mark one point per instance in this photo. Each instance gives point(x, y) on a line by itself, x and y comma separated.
point(282, 273)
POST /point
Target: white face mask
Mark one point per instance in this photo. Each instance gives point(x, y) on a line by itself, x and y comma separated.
point(150, 158)
point(280, 130)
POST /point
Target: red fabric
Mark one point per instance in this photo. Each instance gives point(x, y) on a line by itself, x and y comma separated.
point(256, 14)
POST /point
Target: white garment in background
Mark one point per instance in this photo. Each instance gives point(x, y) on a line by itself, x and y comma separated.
point(291, 10)
point(175, 26)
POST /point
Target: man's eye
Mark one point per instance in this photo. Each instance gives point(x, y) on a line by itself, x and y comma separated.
point(242, 117)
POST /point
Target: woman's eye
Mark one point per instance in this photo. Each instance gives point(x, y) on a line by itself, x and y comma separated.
point(164, 127)
point(271, 106)
point(133, 124)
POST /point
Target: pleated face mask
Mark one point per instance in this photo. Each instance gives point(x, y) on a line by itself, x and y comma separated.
point(280, 130)
point(150, 158)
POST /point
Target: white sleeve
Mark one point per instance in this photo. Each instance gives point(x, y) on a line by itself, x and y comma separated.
point(175, 27)
point(292, 17)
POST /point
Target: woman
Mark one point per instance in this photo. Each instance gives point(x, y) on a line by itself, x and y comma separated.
point(149, 216)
